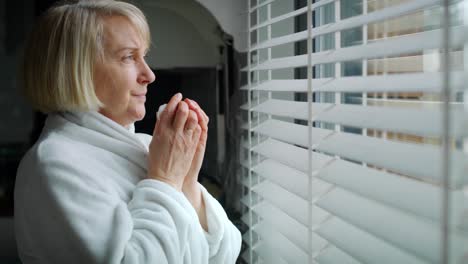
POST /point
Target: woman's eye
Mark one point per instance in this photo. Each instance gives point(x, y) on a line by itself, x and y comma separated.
point(129, 57)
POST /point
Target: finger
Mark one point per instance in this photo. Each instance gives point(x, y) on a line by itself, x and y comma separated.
point(204, 130)
point(203, 138)
point(181, 115)
point(170, 110)
point(205, 116)
point(191, 104)
point(202, 117)
point(192, 121)
point(197, 131)
point(195, 107)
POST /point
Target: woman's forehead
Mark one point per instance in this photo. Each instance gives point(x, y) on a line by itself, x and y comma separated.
point(121, 34)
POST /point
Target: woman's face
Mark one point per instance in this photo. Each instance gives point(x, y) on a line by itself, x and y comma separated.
point(122, 76)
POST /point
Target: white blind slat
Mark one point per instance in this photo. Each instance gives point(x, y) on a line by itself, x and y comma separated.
point(290, 179)
point(419, 120)
point(333, 255)
point(281, 40)
point(290, 204)
point(419, 198)
point(362, 246)
point(280, 245)
point(245, 164)
point(287, 202)
point(291, 133)
point(269, 258)
point(288, 108)
point(405, 158)
point(246, 217)
point(283, 223)
point(402, 230)
point(394, 46)
point(246, 200)
point(280, 18)
point(264, 3)
point(416, 160)
point(246, 183)
point(292, 156)
point(376, 16)
point(318, 243)
point(245, 126)
point(246, 255)
point(247, 238)
point(408, 82)
point(290, 15)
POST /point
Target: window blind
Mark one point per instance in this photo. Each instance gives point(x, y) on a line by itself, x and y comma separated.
point(354, 136)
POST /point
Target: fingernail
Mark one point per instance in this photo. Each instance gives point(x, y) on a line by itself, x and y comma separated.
point(179, 95)
point(194, 102)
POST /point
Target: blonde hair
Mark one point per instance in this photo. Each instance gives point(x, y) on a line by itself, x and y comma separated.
point(58, 64)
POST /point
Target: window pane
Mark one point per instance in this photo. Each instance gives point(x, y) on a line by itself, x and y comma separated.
point(262, 14)
point(351, 37)
point(324, 15)
point(253, 18)
point(324, 42)
point(350, 8)
point(351, 68)
point(253, 37)
point(326, 70)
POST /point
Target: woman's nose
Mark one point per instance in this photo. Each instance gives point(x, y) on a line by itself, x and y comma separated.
point(146, 75)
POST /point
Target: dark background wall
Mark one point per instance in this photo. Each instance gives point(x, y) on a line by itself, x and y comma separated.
point(16, 19)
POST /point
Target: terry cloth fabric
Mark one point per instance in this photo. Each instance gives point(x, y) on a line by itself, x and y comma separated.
point(82, 196)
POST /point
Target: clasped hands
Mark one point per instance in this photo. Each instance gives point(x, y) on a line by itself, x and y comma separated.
point(177, 149)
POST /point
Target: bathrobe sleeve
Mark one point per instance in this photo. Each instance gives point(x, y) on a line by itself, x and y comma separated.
point(224, 239)
point(77, 219)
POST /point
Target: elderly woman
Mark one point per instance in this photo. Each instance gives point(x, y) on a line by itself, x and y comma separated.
point(91, 190)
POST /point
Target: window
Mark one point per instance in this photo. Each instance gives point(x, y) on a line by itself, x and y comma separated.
point(348, 155)
point(351, 37)
point(350, 8)
point(351, 68)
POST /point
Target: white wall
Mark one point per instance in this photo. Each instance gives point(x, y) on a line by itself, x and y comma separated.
point(232, 16)
point(177, 43)
point(184, 34)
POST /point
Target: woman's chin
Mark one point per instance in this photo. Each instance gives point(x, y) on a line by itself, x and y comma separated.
point(139, 114)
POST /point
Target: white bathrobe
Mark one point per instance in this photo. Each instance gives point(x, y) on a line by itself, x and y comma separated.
point(81, 197)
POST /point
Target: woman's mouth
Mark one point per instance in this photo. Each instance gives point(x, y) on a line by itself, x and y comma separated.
point(140, 97)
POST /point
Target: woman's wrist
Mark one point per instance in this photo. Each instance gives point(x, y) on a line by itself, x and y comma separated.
point(193, 193)
point(166, 180)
